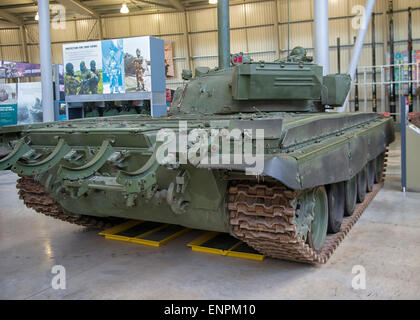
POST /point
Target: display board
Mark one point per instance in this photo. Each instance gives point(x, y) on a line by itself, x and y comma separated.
point(8, 104)
point(29, 102)
point(413, 154)
point(137, 66)
point(112, 66)
point(128, 69)
point(11, 69)
point(83, 68)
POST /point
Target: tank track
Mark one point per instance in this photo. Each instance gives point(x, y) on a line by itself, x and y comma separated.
point(35, 197)
point(262, 216)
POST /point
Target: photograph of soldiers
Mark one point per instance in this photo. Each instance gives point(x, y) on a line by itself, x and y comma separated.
point(83, 68)
point(139, 68)
point(137, 64)
point(8, 93)
point(29, 102)
point(84, 81)
point(71, 82)
point(95, 77)
point(11, 70)
point(113, 66)
point(85, 75)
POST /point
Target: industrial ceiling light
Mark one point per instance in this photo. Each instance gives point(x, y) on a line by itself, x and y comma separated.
point(124, 8)
point(37, 16)
point(213, 1)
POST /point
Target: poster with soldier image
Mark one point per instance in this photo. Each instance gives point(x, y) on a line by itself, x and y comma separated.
point(83, 68)
point(113, 66)
point(137, 64)
point(29, 102)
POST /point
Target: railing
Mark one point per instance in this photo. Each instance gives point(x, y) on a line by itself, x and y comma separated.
point(383, 86)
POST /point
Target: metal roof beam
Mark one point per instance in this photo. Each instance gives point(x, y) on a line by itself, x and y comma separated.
point(155, 3)
point(177, 5)
point(10, 17)
point(78, 7)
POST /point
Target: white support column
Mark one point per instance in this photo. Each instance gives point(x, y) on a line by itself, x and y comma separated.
point(358, 46)
point(322, 54)
point(46, 60)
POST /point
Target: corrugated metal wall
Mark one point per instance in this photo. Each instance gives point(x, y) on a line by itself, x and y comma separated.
point(253, 32)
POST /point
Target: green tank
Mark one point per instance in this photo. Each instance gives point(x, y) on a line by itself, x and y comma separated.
point(248, 149)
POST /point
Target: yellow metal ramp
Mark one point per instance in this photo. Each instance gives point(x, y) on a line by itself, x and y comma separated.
point(144, 232)
point(156, 234)
point(225, 245)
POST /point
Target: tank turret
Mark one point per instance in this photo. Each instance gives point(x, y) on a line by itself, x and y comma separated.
point(294, 84)
point(240, 85)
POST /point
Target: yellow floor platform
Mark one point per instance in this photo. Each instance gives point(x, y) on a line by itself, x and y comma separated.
point(149, 233)
point(156, 234)
point(225, 245)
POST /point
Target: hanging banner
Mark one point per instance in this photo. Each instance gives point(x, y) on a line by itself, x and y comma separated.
point(8, 106)
point(11, 69)
point(83, 68)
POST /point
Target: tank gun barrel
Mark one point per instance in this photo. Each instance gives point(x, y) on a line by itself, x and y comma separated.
point(223, 33)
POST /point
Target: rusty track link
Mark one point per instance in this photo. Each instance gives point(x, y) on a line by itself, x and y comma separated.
point(262, 215)
point(35, 197)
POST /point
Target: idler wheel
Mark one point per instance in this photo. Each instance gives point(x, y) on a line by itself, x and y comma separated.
point(371, 171)
point(361, 184)
point(336, 203)
point(319, 225)
point(350, 189)
point(379, 168)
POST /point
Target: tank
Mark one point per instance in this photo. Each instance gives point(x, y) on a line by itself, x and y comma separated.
point(248, 148)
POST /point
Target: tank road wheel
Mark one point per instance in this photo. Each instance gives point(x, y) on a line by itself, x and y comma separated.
point(350, 188)
point(361, 184)
point(379, 168)
point(336, 202)
point(319, 225)
point(371, 171)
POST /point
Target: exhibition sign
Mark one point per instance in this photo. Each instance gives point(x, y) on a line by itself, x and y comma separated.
point(20, 103)
point(112, 66)
point(83, 68)
point(8, 104)
point(8, 115)
point(11, 69)
point(29, 102)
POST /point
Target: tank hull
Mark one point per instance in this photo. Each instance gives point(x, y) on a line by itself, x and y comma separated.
point(106, 168)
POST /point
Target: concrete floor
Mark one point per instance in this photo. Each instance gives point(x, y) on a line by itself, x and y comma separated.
point(385, 241)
